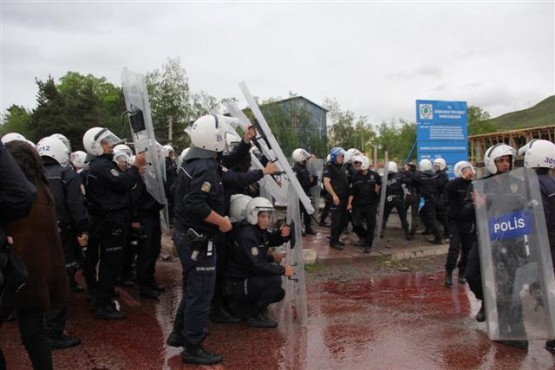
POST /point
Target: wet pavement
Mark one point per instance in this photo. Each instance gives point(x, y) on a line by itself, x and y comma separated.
point(406, 321)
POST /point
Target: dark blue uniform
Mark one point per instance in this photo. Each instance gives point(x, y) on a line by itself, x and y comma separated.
point(462, 229)
point(108, 197)
point(365, 204)
point(73, 219)
point(253, 278)
point(340, 184)
point(198, 192)
point(395, 198)
point(426, 183)
point(441, 206)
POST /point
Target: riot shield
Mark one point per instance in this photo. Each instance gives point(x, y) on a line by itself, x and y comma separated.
point(517, 272)
point(138, 108)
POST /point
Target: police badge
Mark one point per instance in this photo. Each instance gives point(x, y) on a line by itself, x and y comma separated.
point(114, 172)
point(254, 251)
point(205, 186)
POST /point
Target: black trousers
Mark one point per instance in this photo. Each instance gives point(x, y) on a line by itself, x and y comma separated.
point(33, 336)
point(257, 292)
point(148, 248)
point(306, 217)
point(397, 202)
point(365, 215)
point(111, 231)
point(473, 273)
point(92, 255)
point(338, 219)
point(461, 239)
point(428, 216)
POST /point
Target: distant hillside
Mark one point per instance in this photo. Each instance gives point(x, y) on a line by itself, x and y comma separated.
point(541, 114)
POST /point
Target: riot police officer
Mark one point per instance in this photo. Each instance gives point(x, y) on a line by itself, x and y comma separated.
point(540, 156)
point(462, 230)
point(336, 184)
point(440, 167)
point(363, 201)
point(253, 277)
point(300, 156)
point(198, 218)
point(394, 198)
point(73, 225)
point(108, 190)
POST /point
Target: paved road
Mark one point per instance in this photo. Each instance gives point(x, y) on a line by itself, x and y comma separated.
point(407, 321)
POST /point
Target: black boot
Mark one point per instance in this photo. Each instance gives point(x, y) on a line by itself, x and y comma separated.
point(195, 354)
point(176, 337)
point(481, 315)
point(220, 315)
point(63, 341)
point(260, 321)
point(448, 279)
point(462, 279)
point(109, 312)
point(149, 292)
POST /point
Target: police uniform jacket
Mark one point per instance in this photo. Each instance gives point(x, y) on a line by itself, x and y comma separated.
point(395, 183)
point(67, 187)
point(363, 188)
point(304, 177)
point(236, 182)
point(338, 179)
point(198, 192)
point(457, 192)
point(426, 183)
point(108, 187)
point(143, 203)
point(547, 188)
point(248, 254)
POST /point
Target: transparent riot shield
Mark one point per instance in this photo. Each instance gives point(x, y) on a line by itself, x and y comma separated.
point(517, 272)
point(138, 108)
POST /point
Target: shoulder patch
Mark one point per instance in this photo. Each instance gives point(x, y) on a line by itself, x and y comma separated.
point(514, 188)
point(114, 172)
point(254, 251)
point(206, 187)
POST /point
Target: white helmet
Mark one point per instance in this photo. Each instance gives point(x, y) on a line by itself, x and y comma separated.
point(425, 165)
point(181, 156)
point(93, 138)
point(440, 164)
point(77, 158)
point(364, 161)
point(522, 150)
point(461, 166)
point(350, 154)
point(64, 140)
point(12, 136)
point(208, 132)
point(122, 148)
point(392, 167)
point(299, 155)
point(540, 153)
point(497, 151)
point(258, 204)
point(168, 149)
point(238, 206)
point(122, 156)
point(54, 148)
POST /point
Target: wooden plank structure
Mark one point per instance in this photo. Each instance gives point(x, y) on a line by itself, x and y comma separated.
point(515, 138)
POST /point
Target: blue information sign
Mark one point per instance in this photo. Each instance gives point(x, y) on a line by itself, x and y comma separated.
point(442, 131)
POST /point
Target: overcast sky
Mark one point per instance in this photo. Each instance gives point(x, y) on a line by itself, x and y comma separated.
point(375, 58)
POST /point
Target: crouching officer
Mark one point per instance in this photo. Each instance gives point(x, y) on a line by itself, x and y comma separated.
point(108, 190)
point(198, 218)
point(253, 280)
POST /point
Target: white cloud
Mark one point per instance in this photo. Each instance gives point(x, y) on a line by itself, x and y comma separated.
point(375, 58)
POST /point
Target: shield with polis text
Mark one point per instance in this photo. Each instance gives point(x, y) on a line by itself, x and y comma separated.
point(517, 269)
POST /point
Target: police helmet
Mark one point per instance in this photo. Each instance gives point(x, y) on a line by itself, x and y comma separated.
point(12, 136)
point(392, 167)
point(54, 148)
point(92, 140)
point(425, 165)
point(237, 207)
point(498, 151)
point(540, 154)
point(299, 155)
point(336, 152)
point(440, 164)
point(256, 205)
point(461, 166)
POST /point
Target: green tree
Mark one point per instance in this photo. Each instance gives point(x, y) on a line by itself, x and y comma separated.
point(17, 119)
point(171, 101)
point(347, 130)
point(479, 121)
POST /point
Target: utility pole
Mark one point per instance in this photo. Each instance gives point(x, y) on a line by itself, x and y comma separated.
point(170, 129)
